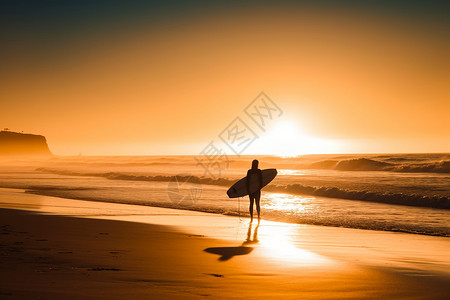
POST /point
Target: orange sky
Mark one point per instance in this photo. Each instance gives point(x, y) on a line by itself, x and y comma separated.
point(358, 81)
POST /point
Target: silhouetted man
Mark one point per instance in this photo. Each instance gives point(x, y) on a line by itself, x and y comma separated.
point(255, 196)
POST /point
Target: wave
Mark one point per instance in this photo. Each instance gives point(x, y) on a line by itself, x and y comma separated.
point(365, 164)
point(435, 167)
point(408, 163)
point(361, 164)
point(330, 192)
point(363, 195)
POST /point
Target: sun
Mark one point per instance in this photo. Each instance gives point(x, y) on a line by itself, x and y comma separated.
point(286, 139)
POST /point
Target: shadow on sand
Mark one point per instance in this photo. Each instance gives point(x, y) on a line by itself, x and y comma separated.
point(227, 253)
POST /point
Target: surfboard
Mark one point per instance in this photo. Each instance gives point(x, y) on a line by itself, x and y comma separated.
point(239, 189)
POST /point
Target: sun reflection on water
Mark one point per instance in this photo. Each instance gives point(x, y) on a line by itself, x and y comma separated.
point(290, 172)
point(287, 203)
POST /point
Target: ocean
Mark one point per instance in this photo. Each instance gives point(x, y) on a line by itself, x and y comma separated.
point(390, 192)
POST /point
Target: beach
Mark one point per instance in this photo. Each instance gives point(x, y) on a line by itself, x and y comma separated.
point(53, 248)
point(225, 150)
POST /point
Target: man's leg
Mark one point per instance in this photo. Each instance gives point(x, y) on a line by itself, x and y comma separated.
point(258, 208)
point(251, 208)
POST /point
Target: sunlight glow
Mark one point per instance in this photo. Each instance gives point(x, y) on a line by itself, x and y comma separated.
point(286, 139)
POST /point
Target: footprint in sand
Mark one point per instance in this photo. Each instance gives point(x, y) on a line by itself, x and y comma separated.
point(104, 269)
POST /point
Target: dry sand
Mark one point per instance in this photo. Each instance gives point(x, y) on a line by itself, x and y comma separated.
point(117, 251)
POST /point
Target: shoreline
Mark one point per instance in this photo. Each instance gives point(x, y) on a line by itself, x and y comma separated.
point(236, 214)
point(134, 251)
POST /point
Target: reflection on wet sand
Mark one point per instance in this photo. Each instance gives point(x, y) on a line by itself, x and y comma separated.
point(15, 199)
point(274, 242)
point(278, 243)
point(227, 253)
point(249, 240)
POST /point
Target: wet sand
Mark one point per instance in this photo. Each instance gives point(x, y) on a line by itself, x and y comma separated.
point(56, 248)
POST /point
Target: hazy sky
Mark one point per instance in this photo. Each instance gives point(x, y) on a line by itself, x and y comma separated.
point(128, 77)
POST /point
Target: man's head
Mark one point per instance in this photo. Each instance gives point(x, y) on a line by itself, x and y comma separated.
point(255, 163)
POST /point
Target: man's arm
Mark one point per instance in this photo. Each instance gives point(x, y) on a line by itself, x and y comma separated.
point(260, 179)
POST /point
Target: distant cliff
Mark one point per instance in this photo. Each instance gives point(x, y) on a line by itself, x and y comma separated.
point(14, 143)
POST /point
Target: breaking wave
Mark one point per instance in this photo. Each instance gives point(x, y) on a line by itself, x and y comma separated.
point(363, 195)
point(365, 164)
